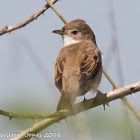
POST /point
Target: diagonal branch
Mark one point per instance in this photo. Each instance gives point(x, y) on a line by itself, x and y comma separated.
point(79, 107)
point(56, 11)
point(8, 29)
point(129, 105)
point(25, 116)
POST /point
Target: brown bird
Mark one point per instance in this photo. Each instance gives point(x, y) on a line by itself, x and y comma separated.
point(78, 67)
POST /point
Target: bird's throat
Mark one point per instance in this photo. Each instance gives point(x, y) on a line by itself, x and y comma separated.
point(69, 40)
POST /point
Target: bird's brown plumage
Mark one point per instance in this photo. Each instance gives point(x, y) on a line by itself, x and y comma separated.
point(77, 66)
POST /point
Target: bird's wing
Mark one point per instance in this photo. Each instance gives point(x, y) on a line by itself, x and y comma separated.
point(58, 74)
point(91, 65)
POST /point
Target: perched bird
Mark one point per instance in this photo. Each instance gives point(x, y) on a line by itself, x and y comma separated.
point(78, 67)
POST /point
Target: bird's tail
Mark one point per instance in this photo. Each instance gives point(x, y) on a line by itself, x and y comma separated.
point(66, 101)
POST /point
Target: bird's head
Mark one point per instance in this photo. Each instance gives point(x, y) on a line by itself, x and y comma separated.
point(76, 31)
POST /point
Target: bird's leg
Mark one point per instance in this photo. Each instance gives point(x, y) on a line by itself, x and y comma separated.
point(105, 104)
point(99, 93)
point(84, 98)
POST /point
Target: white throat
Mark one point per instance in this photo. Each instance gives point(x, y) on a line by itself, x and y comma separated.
point(69, 40)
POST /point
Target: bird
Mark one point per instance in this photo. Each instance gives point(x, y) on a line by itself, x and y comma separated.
point(78, 67)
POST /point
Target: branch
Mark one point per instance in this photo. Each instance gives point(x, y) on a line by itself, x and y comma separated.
point(56, 11)
point(129, 105)
point(79, 107)
point(27, 21)
point(25, 116)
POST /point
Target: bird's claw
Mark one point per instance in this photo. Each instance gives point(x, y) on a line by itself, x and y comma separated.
point(84, 98)
point(105, 104)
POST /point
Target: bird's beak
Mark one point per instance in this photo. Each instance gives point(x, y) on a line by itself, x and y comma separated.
point(58, 32)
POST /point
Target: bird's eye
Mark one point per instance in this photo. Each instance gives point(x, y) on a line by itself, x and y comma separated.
point(74, 32)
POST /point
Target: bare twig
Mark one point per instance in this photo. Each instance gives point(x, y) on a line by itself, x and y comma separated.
point(56, 11)
point(79, 107)
point(27, 21)
point(109, 79)
point(25, 116)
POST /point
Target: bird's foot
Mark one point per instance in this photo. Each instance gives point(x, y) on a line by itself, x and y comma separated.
point(100, 95)
point(84, 98)
point(105, 104)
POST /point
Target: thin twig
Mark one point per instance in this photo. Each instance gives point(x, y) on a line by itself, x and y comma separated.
point(8, 29)
point(25, 116)
point(79, 107)
point(56, 11)
point(109, 79)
